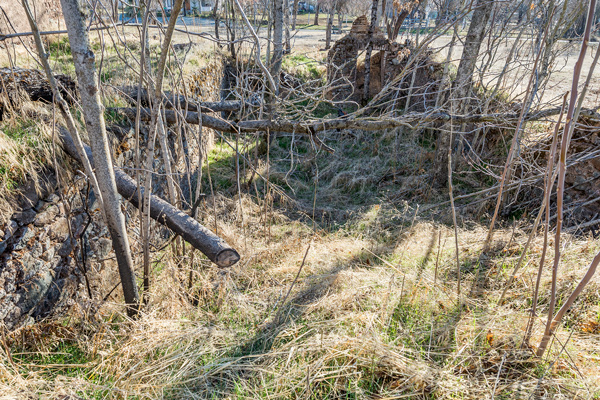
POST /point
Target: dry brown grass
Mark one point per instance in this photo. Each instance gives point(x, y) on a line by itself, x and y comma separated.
point(354, 326)
point(374, 313)
point(27, 151)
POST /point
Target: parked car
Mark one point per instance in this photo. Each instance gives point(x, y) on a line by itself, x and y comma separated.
point(304, 7)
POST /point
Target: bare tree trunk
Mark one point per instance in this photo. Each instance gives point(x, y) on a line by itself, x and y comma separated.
point(231, 32)
point(397, 23)
point(62, 104)
point(215, 13)
point(157, 93)
point(115, 10)
point(514, 145)
point(548, 184)
point(463, 82)
point(328, 31)
point(295, 14)
point(286, 14)
point(572, 115)
point(372, 28)
point(317, 9)
point(277, 41)
point(264, 69)
point(268, 57)
point(84, 60)
point(215, 248)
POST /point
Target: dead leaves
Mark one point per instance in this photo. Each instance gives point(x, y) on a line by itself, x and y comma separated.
point(490, 338)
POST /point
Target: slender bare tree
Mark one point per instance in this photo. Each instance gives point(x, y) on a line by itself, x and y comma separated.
point(85, 69)
point(277, 41)
point(372, 28)
point(462, 85)
point(295, 14)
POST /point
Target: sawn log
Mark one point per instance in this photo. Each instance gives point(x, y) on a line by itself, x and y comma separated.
point(215, 248)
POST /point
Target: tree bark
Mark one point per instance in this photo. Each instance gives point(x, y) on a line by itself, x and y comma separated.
point(397, 25)
point(372, 28)
point(311, 127)
point(215, 13)
point(462, 85)
point(155, 125)
point(262, 66)
point(575, 103)
point(277, 42)
point(62, 104)
point(286, 13)
point(295, 14)
point(215, 248)
point(85, 69)
point(317, 9)
point(115, 4)
point(328, 31)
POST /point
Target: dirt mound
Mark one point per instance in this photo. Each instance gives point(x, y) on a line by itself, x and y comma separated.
point(582, 194)
point(45, 251)
point(346, 72)
point(582, 180)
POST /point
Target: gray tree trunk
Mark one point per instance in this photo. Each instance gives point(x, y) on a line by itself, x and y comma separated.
point(317, 9)
point(286, 13)
point(85, 69)
point(277, 41)
point(295, 15)
point(215, 13)
point(328, 31)
point(461, 88)
point(215, 248)
point(372, 28)
point(115, 10)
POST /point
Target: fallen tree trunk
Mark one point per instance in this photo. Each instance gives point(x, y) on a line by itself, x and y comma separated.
point(215, 248)
point(171, 100)
point(369, 124)
point(222, 125)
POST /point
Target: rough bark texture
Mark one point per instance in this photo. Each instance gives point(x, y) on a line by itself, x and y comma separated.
point(215, 13)
point(372, 28)
point(461, 87)
point(85, 68)
point(328, 31)
point(215, 248)
point(295, 14)
point(312, 127)
point(286, 14)
point(393, 34)
point(277, 41)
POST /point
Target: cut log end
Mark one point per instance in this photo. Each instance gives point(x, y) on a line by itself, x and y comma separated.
point(227, 258)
